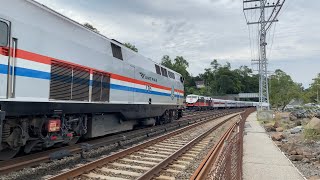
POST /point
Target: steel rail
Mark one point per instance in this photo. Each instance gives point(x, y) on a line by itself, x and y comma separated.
point(47, 156)
point(41, 157)
point(105, 160)
point(158, 168)
point(208, 162)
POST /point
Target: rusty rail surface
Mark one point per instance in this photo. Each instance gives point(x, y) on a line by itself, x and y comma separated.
point(46, 156)
point(224, 160)
point(100, 162)
point(158, 168)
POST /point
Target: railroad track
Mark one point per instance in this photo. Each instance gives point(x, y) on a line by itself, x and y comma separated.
point(120, 139)
point(160, 158)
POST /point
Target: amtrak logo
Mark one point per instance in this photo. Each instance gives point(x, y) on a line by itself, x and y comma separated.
point(172, 92)
point(143, 76)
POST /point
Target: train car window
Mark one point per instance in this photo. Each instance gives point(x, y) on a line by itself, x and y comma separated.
point(164, 72)
point(158, 69)
point(181, 79)
point(4, 33)
point(116, 51)
point(171, 74)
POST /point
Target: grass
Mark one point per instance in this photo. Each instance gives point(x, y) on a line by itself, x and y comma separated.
point(311, 134)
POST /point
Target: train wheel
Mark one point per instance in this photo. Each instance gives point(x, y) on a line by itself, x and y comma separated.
point(8, 153)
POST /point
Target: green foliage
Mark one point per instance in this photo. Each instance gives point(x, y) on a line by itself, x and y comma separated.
point(283, 89)
point(180, 65)
point(89, 26)
point(219, 79)
point(311, 134)
point(312, 94)
point(131, 46)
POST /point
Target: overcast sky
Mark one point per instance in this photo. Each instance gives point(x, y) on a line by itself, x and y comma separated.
point(203, 30)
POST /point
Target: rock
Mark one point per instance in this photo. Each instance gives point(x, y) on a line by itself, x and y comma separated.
point(276, 124)
point(299, 151)
point(279, 129)
point(278, 143)
point(277, 136)
point(296, 129)
point(314, 178)
point(298, 123)
point(308, 154)
point(305, 160)
point(296, 157)
point(314, 124)
point(293, 152)
point(287, 147)
point(292, 117)
point(313, 159)
point(269, 127)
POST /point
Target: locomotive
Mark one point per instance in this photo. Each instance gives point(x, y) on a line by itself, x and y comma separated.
point(197, 102)
point(60, 81)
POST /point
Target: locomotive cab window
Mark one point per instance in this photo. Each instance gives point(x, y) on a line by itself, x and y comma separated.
point(4, 33)
point(116, 51)
point(158, 69)
point(164, 72)
point(171, 74)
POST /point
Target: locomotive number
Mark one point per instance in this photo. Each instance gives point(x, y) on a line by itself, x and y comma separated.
point(148, 87)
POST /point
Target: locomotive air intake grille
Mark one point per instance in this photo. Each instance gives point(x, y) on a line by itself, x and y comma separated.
point(69, 83)
point(100, 87)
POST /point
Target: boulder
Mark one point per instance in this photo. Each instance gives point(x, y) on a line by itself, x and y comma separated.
point(277, 136)
point(269, 127)
point(314, 124)
point(296, 129)
point(288, 147)
point(276, 124)
point(296, 157)
point(279, 129)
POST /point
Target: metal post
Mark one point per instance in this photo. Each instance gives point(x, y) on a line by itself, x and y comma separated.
point(264, 25)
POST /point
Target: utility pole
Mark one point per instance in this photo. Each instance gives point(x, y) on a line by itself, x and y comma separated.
point(264, 22)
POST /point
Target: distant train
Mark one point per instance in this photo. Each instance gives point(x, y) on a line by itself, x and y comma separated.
point(203, 103)
point(60, 81)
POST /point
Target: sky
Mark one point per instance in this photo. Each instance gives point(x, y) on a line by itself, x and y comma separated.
point(203, 30)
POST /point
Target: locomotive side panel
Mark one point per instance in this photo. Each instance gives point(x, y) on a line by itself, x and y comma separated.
point(38, 45)
point(65, 76)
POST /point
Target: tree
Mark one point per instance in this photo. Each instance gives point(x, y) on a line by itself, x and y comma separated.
point(312, 94)
point(180, 65)
point(131, 46)
point(283, 89)
point(167, 62)
point(89, 26)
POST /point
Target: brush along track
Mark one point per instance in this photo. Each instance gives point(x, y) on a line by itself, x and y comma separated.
point(120, 139)
point(147, 159)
